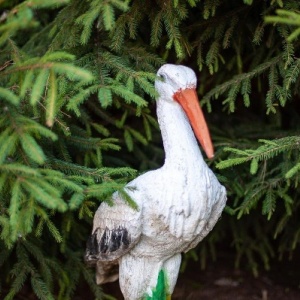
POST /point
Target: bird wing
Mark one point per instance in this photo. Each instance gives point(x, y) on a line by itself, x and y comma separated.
point(189, 203)
point(116, 230)
point(216, 202)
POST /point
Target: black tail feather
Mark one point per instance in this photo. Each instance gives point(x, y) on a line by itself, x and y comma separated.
point(101, 245)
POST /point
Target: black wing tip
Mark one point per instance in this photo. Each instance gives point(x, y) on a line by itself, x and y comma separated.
point(91, 254)
point(110, 242)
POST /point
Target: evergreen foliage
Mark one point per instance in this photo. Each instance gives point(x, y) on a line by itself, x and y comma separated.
point(77, 119)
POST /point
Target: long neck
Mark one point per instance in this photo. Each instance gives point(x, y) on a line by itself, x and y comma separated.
point(181, 148)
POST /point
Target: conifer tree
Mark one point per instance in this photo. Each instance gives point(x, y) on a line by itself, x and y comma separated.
point(77, 121)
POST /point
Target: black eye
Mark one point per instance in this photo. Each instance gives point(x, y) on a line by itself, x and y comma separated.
point(162, 77)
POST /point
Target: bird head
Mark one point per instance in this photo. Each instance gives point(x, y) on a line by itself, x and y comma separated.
point(177, 84)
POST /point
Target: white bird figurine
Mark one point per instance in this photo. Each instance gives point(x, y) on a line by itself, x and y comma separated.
point(178, 204)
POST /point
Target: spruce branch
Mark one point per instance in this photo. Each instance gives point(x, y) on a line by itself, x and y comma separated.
point(268, 150)
point(233, 84)
point(287, 18)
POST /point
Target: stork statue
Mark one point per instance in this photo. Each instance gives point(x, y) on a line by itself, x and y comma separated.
point(178, 204)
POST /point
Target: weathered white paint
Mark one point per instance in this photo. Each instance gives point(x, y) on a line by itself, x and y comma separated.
point(178, 204)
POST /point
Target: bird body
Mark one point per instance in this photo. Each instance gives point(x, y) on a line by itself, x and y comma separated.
point(178, 204)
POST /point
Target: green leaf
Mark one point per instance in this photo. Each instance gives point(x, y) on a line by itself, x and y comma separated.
point(31, 126)
point(76, 200)
point(108, 16)
point(231, 162)
point(128, 140)
point(17, 169)
point(48, 3)
point(58, 56)
point(128, 95)
point(27, 214)
point(178, 49)
point(253, 166)
point(120, 123)
point(27, 82)
point(138, 136)
point(10, 97)
point(53, 230)
point(46, 199)
point(147, 128)
point(8, 142)
point(3, 180)
point(51, 100)
point(120, 4)
point(293, 35)
point(269, 203)
point(101, 129)
point(105, 97)
point(292, 74)
point(87, 20)
point(73, 72)
point(14, 208)
point(79, 98)
point(39, 86)
point(32, 148)
point(290, 173)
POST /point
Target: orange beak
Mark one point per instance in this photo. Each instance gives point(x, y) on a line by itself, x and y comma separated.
point(189, 101)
